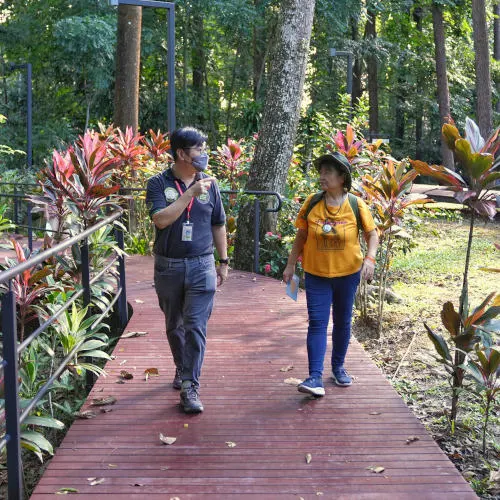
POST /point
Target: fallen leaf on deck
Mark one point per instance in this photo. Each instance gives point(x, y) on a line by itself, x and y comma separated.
point(65, 491)
point(126, 375)
point(108, 400)
point(254, 279)
point(319, 493)
point(186, 426)
point(151, 372)
point(86, 414)
point(230, 444)
point(167, 440)
point(97, 481)
point(375, 413)
point(376, 469)
point(292, 381)
point(129, 335)
point(175, 498)
point(412, 439)
point(286, 368)
point(139, 301)
point(123, 362)
point(309, 458)
point(138, 484)
point(112, 465)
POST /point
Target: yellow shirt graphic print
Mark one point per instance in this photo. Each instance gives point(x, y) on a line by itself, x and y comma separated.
point(332, 247)
point(333, 239)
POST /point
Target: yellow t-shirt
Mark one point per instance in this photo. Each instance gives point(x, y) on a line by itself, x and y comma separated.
point(337, 252)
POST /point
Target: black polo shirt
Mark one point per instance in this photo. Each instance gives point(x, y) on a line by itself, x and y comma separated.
point(207, 211)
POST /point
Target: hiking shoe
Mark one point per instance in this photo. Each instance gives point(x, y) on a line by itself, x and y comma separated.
point(177, 382)
point(190, 400)
point(312, 385)
point(340, 377)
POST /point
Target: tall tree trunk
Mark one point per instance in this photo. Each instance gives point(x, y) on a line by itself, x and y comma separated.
point(356, 71)
point(482, 63)
point(274, 147)
point(496, 46)
point(128, 60)
point(443, 94)
point(371, 64)
point(418, 14)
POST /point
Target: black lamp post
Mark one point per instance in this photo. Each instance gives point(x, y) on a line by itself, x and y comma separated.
point(29, 109)
point(170, 49)
point(345, 53)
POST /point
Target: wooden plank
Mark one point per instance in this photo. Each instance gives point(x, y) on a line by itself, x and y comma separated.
point(255, 332)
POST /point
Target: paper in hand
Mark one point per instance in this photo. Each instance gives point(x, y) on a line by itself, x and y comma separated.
point(292, 287)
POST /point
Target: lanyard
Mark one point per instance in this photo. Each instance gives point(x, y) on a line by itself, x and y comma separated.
point(188, 208)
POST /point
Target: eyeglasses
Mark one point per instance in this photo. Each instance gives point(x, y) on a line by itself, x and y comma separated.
point(201, 149)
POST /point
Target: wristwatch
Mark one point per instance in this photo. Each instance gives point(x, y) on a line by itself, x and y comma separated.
point(223, 261)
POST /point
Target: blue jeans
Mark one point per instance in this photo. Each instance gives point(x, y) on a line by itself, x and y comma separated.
point(186, 289)
point(321, 295)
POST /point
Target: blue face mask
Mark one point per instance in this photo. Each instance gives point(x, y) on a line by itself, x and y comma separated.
point(200, 163)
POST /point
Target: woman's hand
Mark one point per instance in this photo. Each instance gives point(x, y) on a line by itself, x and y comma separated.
point(368, 269)
point(288, 272)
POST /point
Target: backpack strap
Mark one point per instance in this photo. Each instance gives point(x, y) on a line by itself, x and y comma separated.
point(313, 202)
point(353, 201)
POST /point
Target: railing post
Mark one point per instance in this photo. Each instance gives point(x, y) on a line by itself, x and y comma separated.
point(12, 427)
point(16, 211)
point(256, 235)
point(84, 252)
point(122, 299)
point(30, 225)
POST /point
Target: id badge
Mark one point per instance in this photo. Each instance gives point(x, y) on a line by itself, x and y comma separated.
point(187, 231)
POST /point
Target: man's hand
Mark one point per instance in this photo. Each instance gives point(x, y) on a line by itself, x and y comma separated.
point(221, 273)
point(201, 186)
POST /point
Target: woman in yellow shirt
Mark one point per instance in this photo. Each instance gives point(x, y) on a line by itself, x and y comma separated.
point(327, 237)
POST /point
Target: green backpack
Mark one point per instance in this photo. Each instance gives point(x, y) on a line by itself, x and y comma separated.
point(353, 201)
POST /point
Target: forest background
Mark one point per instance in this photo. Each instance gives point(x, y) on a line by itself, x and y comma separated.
point(223, 63)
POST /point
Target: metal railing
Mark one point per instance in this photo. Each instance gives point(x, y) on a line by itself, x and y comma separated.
point(257, 212)
point(12, 350)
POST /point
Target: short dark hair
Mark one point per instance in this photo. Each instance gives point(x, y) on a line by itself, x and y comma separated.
point(186, 137)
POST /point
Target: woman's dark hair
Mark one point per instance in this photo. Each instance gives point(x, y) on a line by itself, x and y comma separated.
point(186, 137)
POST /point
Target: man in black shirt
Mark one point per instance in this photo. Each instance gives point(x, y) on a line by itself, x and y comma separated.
point(186, 208)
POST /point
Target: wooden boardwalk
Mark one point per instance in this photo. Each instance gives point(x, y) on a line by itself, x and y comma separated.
point(253, 438)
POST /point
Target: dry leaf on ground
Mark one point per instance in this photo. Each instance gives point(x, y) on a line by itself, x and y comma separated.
point(412, 439)
point(376, 469)
point(126, 375)
point(151, 372)
point(286, 368)
point(309, 458)
point(86, 414)
point(108, 400)
point(167, 439)
point(139, 301)
point(129, 335)
point(375, 413)
point(96, 481)
point(65, 491)
point(230, 444)
point(292, 381)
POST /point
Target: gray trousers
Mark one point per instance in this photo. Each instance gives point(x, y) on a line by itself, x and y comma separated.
point(186, 289)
